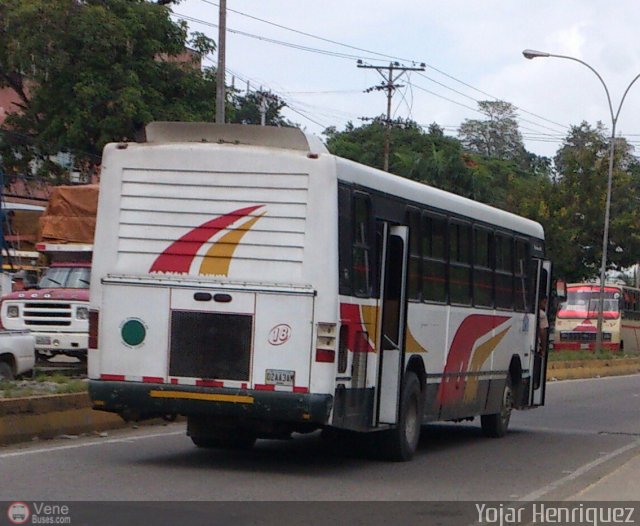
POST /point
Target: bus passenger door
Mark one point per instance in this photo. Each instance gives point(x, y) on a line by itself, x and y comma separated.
point(393, 321)
point(539, 365)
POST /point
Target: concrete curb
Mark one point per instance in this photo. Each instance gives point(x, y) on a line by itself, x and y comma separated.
point(42, 417)
point(575, 369)
point(23, 419)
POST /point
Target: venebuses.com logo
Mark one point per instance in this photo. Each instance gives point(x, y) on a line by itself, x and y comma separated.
point(18, 513)
point(38, 513)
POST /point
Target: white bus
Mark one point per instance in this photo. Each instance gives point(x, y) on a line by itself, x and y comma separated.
point(248, 279)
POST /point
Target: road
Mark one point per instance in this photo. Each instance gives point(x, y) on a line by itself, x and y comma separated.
point(587, 429)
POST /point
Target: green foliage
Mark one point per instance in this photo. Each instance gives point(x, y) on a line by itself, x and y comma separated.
point(567, 356)
point(497, 136)
point(574, 219)
point(92, 72)
point(430, 158)
point(245, 109)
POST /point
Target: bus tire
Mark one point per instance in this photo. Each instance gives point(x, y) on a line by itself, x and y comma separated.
point(400, 444)
point(497, 424)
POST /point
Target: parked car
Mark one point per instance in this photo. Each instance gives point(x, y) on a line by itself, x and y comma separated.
point(17, 353)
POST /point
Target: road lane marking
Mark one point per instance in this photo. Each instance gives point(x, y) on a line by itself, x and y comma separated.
point(585, 468)
point(26, 452)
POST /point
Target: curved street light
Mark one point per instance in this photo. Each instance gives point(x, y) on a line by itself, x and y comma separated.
point(531, 54)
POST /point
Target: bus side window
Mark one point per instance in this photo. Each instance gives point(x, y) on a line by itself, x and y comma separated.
point(362, 246)
point(522, 277)
point(415, 242)
point(504, 271)
point(345, 240)
point(460, 263)
point(482, 267)
point(434, 258)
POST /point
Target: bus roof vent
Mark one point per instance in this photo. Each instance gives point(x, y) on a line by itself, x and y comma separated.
point(247, 134)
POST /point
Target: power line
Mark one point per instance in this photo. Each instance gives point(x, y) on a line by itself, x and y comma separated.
point(385, 56)
point(288, 105)
point(352, 57)
point(390, 86)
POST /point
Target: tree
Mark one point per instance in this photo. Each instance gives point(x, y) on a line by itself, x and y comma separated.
point(94, 71)
point(430, 158)
point(498, 136)
point(574, 215)
point(247, 109)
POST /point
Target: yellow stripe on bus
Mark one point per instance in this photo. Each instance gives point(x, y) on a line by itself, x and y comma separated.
point(209, 397)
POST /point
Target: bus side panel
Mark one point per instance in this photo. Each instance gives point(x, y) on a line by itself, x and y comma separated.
point(284, 327)
point(426, 338)
point(124, 355)
point(480, 348)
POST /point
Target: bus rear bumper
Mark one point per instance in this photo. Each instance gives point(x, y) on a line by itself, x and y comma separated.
point(140, 401)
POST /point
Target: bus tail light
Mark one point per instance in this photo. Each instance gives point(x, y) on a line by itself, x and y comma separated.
point(326, 343)
point(343, 349)
point(94, 318)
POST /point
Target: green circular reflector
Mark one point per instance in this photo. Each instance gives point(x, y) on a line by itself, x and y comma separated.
point(133, 332)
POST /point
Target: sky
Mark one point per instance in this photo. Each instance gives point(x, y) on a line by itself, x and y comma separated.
point(306, 53)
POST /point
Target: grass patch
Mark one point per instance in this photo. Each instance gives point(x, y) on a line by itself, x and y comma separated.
point(567, 356)
point(74, 386)
point(42, 385)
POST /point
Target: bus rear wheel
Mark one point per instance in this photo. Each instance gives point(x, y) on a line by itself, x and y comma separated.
point(497, 424)
point(400, 444)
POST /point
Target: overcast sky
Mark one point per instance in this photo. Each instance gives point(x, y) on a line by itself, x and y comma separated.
point(472, 51)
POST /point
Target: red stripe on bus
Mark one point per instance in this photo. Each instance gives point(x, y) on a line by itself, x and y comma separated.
point(262, 387)
point(112, 377)
point(472, 327)
point(300, 389)
point(180, 254)
point(209, 383)
point(153, 380)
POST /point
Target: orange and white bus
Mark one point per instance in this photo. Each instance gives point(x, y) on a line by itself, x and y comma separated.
point(248, 279)
point(577, 318)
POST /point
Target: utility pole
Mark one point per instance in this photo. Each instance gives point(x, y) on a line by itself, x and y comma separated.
point(263, 106)
point(220, 74)
point(389, 85)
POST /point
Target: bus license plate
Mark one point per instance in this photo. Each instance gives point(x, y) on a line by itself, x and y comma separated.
point(279, 377)
point(43, 340)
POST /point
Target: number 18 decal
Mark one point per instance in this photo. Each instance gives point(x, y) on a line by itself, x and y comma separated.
point(280, 334)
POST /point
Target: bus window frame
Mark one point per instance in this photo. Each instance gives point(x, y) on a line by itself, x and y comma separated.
point(490, 269)
point(460, 224)
point(509, 242)
point(443, 260)
point(368, 245)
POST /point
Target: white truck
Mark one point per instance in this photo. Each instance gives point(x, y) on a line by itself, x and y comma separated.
point(17, 354)
point(57, 310)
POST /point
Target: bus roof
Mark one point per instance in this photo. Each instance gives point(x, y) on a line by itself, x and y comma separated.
point(353, 172)
point(349, 171)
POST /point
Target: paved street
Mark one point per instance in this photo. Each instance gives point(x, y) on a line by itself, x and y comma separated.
point(588, 429)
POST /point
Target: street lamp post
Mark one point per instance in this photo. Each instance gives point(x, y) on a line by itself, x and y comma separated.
point(531, 54)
